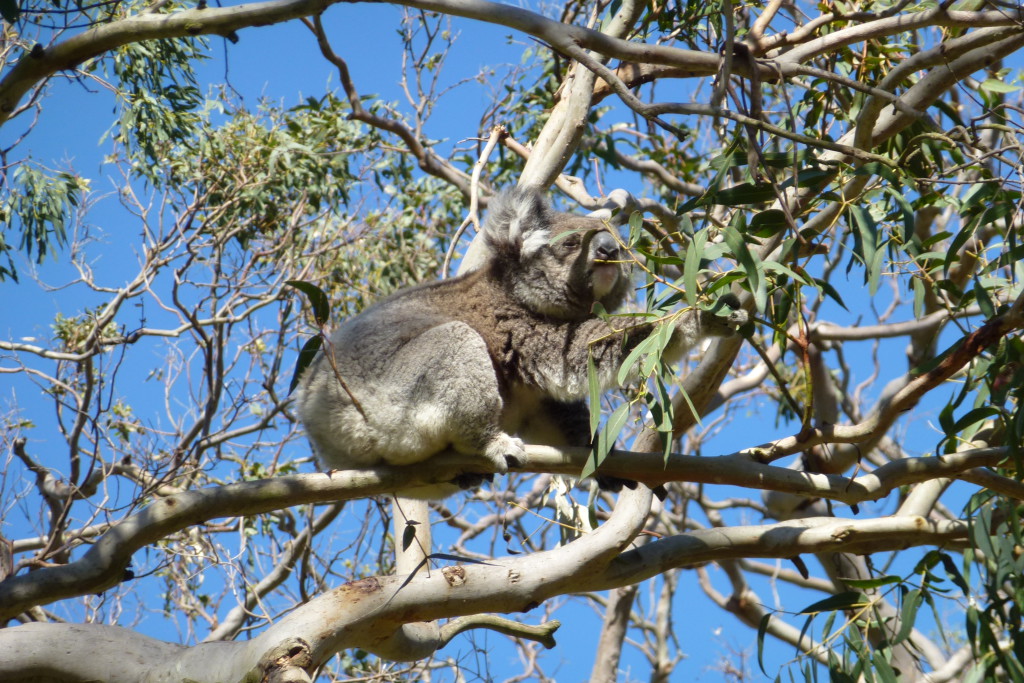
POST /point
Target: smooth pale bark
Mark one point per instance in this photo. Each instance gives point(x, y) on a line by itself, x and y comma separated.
point(103, 565)
point(374, 613)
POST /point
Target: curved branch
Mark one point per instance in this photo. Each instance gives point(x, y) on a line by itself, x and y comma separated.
point(103, 565)
point(824, 330)
point(888, 26)
point(367, 613)
point(740, 469)
point(41, 64)
point(542, 633)
point(906, 398)
point(783, 539)
point(428, 161)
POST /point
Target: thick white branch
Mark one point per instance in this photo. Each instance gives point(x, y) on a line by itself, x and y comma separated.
point(32, 69)
point(103, 565)
point(369, 613)
point(782, 539)
point(900, 23)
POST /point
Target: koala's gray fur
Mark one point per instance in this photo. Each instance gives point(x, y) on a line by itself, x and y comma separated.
point(468, 362)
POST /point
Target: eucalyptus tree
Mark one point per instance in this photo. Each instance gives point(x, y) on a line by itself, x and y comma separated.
point(850, 171)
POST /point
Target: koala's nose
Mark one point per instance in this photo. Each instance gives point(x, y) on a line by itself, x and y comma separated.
point(604, 247)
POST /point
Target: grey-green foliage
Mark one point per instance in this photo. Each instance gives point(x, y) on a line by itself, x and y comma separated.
point(158, 100)
point(264, 173)
point(994, 619)
point(37, 203)
point(261, 169)
point(389, 247)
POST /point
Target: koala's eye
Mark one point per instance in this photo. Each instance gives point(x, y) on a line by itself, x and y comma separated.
point(572, 242)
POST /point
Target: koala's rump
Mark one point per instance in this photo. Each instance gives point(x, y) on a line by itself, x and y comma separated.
point(424, 383)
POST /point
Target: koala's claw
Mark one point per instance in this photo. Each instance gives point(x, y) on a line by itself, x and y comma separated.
point(505, 451)
point(502, 452)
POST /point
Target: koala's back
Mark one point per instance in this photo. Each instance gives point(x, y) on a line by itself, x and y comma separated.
point(420, 374)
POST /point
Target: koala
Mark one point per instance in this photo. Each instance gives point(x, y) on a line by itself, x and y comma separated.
point(483, 361)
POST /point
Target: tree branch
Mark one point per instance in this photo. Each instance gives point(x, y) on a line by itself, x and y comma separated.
point(368, 612)
point(969, 348)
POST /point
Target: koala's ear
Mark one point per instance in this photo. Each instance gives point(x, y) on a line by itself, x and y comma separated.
point(518, 221)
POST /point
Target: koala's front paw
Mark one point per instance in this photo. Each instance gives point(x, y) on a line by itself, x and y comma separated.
point(505, 451)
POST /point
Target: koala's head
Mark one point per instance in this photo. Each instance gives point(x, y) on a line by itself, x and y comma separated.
point(553, 263)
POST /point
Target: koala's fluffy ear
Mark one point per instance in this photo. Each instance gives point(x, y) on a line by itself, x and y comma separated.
point(518, 222)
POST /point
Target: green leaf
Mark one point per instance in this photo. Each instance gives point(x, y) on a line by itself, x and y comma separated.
point(971, 626)
point(988, 308)
point(952, 254)
point(9, 10)
point(663, 412)
point(606, 440)
point(807, 627)
point(660, 259)
point(788, 159)
point(595, 394)
point(908, 615)
point(974, 417)
point(782, 268)
point(996, 86)
point(408, 534)
point(920, 291)
point(954, 573)
point(866, 245)
point(937, 617)
point(768, 223)
point(693, 410)
point(747, 260)
point(692, 267)
point(742, 194)
point(871, 584)
point(653, 344)
point(762, 631)
point(906, 209)
point(840, 601)
point(883, 669)
point(831, 291)
point(317, 300)
point(636, 228)
point(306, 356)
